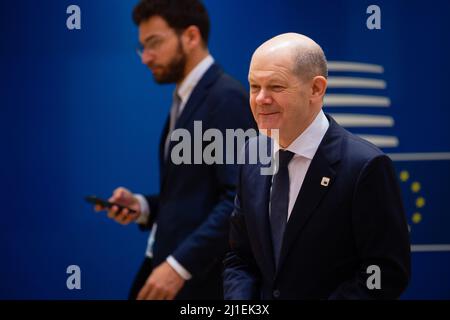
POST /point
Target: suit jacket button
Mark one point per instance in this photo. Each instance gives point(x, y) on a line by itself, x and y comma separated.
point(276, 293)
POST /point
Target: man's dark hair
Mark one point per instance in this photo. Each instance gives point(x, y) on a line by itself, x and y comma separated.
point(179, 14)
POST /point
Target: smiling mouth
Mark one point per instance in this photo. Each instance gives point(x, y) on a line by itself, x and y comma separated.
point(267, 113)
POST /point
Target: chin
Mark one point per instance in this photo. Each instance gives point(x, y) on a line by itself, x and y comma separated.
point(267, 125)
point(270, 131)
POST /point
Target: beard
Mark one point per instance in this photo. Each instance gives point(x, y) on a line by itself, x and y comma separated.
point(174, 71)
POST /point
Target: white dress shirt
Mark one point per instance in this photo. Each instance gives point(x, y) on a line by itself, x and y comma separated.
point(304, 148)
point(184, 91)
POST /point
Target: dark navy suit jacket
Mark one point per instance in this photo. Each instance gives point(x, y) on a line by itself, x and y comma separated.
point(195, 201)
point(333, 234)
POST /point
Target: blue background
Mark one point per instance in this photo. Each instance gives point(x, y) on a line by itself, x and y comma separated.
point(81, 115)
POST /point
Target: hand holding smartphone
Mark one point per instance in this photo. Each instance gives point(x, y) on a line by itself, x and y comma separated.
point(106, 204)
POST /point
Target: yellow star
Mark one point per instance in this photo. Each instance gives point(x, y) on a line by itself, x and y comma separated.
point(415, 187)
point(404, 176)
point(417, 217)
point(420, 202)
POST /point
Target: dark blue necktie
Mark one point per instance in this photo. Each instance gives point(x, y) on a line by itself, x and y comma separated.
point(279, 202)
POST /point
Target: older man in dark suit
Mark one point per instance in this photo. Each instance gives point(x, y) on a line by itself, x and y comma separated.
point(329, 223)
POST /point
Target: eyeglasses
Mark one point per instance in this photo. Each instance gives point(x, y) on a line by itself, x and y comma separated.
point(151, 44)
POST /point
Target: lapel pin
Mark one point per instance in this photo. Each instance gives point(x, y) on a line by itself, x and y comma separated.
point(325, 181)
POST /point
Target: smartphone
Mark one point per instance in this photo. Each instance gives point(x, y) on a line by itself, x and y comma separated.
point(106, 204)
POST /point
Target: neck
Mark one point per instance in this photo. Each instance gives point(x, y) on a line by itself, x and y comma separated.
point(193, 60)
point(286, 138)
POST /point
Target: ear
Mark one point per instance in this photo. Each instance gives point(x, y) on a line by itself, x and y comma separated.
point(191, 37)
point(318, 88)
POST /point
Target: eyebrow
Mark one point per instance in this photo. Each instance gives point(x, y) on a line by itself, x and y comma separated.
point(275, 79)
point(149, 38)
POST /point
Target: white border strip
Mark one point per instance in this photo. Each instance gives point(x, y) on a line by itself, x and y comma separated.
point(354, 67)
point(352, 100)
point(362, 120)
point(381, 141)
point(350, 82)
point(424, 156)
point(430, 247)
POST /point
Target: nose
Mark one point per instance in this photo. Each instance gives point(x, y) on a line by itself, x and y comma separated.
point(147, 57)
point(263, 97)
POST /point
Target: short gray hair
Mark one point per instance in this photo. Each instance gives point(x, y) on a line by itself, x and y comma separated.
point(310, 62)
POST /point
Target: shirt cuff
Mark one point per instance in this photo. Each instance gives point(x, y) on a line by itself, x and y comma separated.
point(145, 210)
point(178, 268)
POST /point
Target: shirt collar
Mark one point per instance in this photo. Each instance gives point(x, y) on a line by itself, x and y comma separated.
point(306, 144)
point(185, 89)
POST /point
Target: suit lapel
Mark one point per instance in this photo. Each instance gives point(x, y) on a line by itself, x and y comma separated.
point(198, 95)
point(194, 102)
point(312, 190)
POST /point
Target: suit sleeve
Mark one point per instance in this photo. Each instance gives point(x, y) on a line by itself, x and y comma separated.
point(208, 243)
point(153, 205)
point(381, 234)
point(241, 275)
